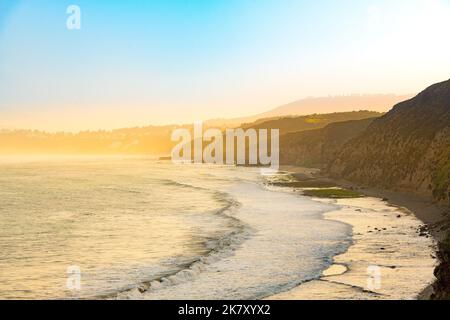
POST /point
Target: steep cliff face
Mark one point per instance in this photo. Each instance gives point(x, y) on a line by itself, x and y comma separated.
point(407, 149)
point(318, 147)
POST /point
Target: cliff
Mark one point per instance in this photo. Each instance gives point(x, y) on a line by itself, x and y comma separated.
point(407, 149)
point(317, 148)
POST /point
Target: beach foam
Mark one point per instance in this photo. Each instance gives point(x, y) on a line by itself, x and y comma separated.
point(386, 244)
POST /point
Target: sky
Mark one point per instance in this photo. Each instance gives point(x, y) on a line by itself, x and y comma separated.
point(140, 62)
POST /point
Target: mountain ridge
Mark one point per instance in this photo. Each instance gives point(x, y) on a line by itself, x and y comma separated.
point(320, 105)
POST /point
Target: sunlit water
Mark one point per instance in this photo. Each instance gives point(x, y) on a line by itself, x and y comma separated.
point(144, 229)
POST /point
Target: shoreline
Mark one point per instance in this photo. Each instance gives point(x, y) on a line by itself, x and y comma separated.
point(432, 215)
point(403, 205)
point(265, 248)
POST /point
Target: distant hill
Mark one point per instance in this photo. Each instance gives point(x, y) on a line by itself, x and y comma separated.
point(155, 140)
point(151, 140)
point(310, 122)
point(313, 140)
point(406, 149)
point(317, 148)
point(320, 105)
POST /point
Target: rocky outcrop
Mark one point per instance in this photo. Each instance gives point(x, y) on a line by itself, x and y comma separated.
point(441, 288)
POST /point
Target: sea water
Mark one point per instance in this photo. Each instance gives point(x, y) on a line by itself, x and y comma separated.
point(145, 229)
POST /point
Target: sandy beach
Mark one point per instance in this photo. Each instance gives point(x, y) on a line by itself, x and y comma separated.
point(393, 254)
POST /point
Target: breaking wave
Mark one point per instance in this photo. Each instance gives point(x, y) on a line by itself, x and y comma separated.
point(218, 248)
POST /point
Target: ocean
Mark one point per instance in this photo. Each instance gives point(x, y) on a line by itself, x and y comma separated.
point(141, 228)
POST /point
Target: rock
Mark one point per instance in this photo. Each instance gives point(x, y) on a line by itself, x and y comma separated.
point(442, 271)
point(143, 287)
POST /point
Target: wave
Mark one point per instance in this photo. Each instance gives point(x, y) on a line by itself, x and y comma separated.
point(218, 248)
point(170, 182)
point(122, 190)
point(166, 182)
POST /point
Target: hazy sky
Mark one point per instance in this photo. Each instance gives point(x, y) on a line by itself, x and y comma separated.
point(152, 62)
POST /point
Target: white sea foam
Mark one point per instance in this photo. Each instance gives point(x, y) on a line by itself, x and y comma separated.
point(285, 241)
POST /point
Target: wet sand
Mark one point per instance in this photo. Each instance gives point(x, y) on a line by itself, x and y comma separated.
point(393, 253)
point(388, 259)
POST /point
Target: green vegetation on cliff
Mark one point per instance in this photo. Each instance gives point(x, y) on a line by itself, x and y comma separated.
point(333, 193)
